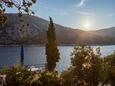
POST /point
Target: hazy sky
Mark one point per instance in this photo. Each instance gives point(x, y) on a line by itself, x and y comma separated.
point(82, 14)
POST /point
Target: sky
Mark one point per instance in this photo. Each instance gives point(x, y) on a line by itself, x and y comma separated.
point(77, 14)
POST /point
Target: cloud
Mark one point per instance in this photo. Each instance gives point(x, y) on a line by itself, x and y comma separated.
point(110, 15)
point(85, 13)
point(81, 3)
point(63, 13)
point(55, 10)
point(48, 8)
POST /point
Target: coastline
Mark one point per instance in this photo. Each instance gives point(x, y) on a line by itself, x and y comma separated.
point(42, 45)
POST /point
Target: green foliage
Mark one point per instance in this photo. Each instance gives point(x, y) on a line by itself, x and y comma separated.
point(86, 67)
point(17, 76)
point(20, 76)
point(52, 53)
point(50, 79)
point(109, 67)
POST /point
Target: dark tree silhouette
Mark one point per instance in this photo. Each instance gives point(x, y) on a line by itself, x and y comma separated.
point(52, 53)
point(22, 56)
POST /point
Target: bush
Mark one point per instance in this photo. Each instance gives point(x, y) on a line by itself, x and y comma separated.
point(86, 67)
point(20, 76)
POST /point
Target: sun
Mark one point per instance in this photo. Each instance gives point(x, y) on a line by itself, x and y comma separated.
point(87, 25)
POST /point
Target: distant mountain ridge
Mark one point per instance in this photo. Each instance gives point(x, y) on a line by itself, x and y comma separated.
point(35, 28)
point(108, 32)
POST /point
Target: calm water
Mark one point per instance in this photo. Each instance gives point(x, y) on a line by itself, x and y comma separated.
point(36, 55)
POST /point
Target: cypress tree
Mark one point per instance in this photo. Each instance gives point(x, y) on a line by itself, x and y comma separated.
point(22, 55)
point(52, 52)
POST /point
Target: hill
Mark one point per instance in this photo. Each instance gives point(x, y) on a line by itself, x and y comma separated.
point(108, 32)
point(34, 32)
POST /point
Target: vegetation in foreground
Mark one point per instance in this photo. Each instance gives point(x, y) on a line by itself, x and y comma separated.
point(20, 76)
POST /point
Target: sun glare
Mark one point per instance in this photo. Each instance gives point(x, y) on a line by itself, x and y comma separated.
point(87, 25)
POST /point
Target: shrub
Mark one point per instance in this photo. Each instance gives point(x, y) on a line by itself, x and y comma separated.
point(20, 76)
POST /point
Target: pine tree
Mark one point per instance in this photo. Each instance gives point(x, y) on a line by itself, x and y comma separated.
point(52, 52)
